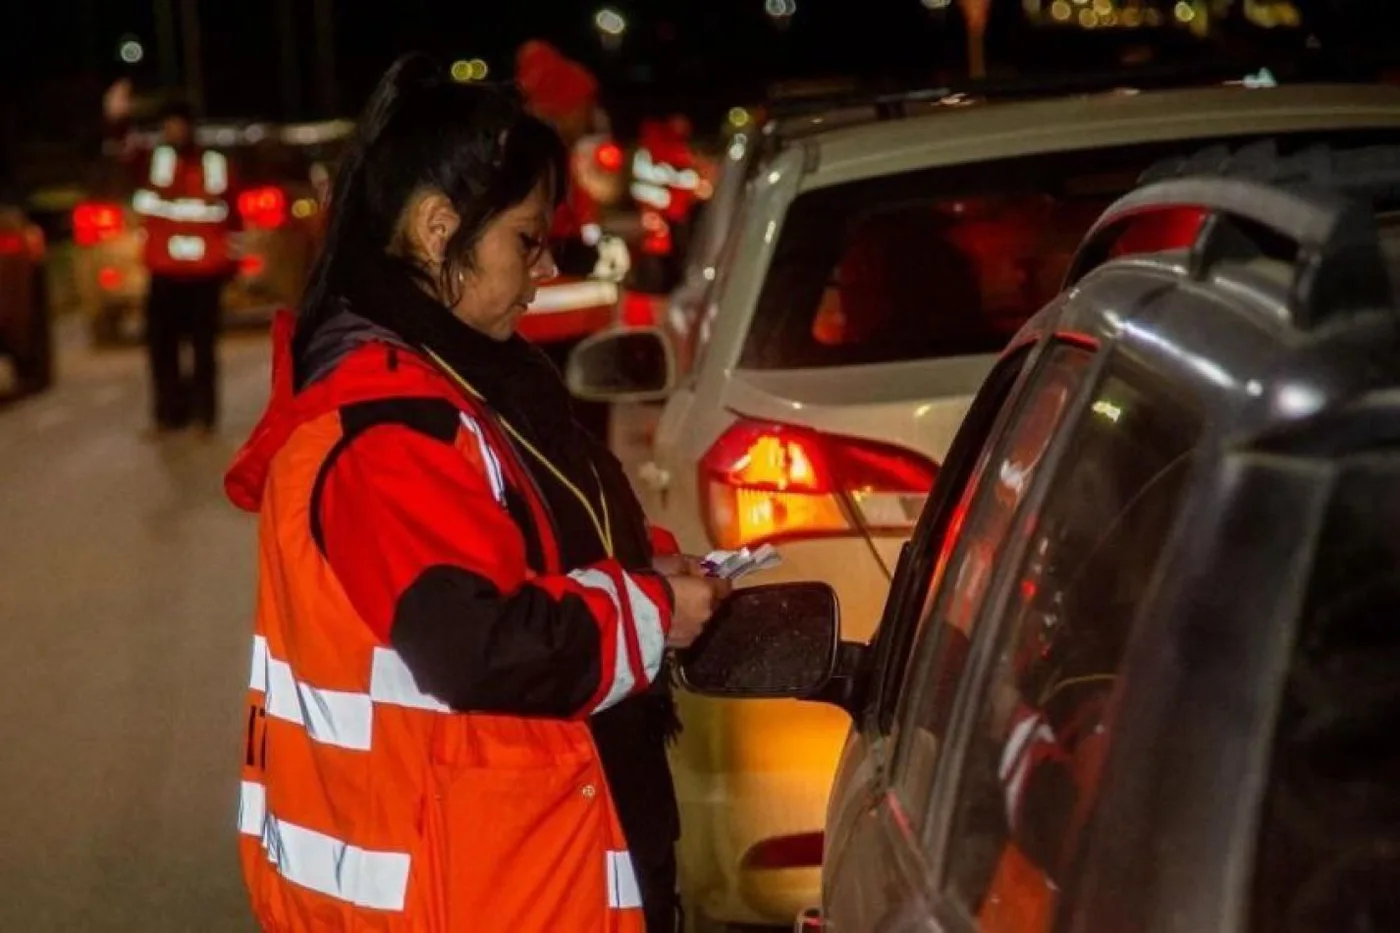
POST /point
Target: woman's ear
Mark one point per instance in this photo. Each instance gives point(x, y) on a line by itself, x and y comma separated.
point(429, 226)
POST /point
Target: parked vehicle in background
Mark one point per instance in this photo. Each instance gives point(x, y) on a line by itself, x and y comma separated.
point(279, 173)
point(874, 273)
point(26, 336)
point(1136, 667)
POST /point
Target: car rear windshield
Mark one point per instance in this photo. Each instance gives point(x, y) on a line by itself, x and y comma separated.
point(945, 262)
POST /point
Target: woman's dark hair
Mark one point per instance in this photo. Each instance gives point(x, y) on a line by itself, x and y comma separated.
point(422, 131)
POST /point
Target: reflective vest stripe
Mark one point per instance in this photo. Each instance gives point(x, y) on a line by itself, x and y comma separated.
point(650, 635)
point(163, 162)
point(322, 863)
point(495, 474)
point(623, 891)
point(623, 683)
point(215, 172)
point(180, 210)
point(645, 618)
point(340, 718)
point(365, 878)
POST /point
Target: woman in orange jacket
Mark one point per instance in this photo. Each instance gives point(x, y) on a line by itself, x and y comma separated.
point(457, 712)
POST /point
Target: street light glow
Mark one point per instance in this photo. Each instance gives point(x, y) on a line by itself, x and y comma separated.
point(464, 70)
point(610, 22)
point(131, 52)
point(780, 9)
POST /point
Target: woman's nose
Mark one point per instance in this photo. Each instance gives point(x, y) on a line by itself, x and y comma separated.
point(544, 267)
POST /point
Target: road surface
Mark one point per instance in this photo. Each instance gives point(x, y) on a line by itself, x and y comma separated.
point(126, 588)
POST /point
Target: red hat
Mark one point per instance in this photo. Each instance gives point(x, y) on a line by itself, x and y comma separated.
point(553, 85)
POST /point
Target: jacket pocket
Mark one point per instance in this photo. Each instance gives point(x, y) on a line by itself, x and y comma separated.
point(525, 849)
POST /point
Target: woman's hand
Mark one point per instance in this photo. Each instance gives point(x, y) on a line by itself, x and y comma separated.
point(697, 597)
point(678, 565)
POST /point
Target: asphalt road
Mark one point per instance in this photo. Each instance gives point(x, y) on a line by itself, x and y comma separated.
point(126, 589)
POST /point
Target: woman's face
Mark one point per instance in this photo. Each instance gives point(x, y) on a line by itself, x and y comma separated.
point(510, 260)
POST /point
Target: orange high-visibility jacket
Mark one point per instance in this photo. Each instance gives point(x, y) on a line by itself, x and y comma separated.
point(369, 804)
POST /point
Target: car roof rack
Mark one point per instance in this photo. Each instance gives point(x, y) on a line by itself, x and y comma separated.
point(1319, 201)
point(891, 102)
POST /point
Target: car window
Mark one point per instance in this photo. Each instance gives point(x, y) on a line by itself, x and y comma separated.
point(1042, 719)
point(963, 570)
point(942, 262)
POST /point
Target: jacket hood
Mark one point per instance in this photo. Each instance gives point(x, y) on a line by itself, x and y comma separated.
point(338, 340)
point(244, 482)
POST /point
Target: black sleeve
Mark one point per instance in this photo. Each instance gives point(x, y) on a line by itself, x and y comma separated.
point(478, 652)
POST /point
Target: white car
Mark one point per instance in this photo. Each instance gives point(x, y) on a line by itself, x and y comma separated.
point(872, 275)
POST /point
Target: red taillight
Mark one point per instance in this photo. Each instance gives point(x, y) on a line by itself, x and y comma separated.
point(250, 267)
point(263, 208)
point(764, 482)
point(109, 278)
point(1154, 232)
point(11, 244)
point(95, 222)
point(609, 157)
point(800, 851)
point(639, 310)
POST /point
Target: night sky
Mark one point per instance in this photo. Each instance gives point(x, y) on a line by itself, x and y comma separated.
point(699, 54)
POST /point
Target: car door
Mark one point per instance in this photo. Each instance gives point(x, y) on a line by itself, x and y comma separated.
point(1026, 729)
point(877, 865)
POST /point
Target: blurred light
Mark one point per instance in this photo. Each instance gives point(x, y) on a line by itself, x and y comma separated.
point(479, 69)
point(780, 9)
point(1061, 11)
point(1103, 7)
point(461, 70)
point(610, 22)
point(739, 117)
point(1132, 17)
point(937, 4)
point(704, 191)
point(1152, 16)
point(250, 267)
point(132, 51)
point(737, 147)
point(1184, 12)
point(1110, 18)
point(109, 278)
point(303, 208)
point(609, 156)
point(1108, 410)
point(1088, 19)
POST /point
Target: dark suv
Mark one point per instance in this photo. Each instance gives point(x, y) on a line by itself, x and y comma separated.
point(1139, 669)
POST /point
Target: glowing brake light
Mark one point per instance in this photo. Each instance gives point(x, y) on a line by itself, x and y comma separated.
point(765, 482)
point(609, 157)
point(800, 851)
point(1158, 231)
point(263, 208)
point(94, 222)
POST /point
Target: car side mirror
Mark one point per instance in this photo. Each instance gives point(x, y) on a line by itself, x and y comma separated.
point(777, 641)
point(631, 365)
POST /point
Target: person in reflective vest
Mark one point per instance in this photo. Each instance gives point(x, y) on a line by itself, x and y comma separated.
point(461, 609)
point(185, 206)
